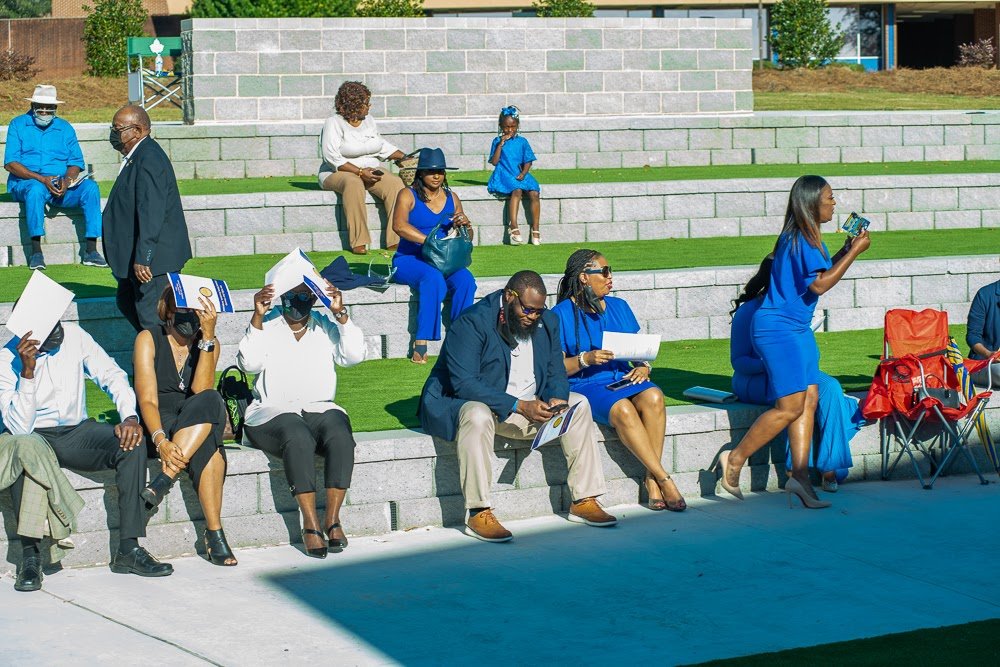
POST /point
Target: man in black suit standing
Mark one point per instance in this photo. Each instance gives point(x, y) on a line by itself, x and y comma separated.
point(145, 235)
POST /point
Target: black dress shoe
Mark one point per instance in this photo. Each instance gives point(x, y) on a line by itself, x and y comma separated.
point(29, 575)
point(139, 561)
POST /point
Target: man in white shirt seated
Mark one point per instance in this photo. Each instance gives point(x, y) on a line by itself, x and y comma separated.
point(501, 372)
point(42, 391)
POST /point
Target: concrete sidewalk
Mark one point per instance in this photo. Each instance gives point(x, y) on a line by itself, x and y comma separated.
point(723, 579)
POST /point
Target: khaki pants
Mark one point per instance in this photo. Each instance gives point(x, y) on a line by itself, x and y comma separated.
point(477, 425)
point(351, 189)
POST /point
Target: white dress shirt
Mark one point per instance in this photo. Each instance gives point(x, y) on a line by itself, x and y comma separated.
point(56, 395)
point(297, 376)
point(521, 381)
point(362, 146)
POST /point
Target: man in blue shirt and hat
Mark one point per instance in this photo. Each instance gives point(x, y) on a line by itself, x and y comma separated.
point(44, 159)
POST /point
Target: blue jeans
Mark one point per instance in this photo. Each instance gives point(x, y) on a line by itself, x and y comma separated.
point(432, 287)
point(35, 196)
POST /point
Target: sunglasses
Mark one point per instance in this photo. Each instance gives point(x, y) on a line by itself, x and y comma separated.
point(603, 270)
point(300, 296)
point(123, 128)
point(525, 309)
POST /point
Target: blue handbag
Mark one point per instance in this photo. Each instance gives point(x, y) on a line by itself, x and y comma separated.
point(447, 255)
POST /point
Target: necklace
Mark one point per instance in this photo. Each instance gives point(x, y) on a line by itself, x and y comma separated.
point(298, 331)
point(180, 367)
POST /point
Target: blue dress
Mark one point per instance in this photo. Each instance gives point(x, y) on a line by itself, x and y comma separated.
point(781, 330)
point(582, 332)
point(516, 152)
point(838, 416)
point(430, 284)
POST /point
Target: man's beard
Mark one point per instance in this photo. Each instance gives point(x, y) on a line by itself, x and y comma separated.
point(520, 332)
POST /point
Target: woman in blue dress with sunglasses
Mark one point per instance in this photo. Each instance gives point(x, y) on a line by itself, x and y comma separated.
point(636, 410)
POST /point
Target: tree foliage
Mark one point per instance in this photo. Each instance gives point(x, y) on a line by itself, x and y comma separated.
point(271, 8)
point(390, 8)
point(801, 33)
point(108, 24)
point(24, 9)
point(563, 8)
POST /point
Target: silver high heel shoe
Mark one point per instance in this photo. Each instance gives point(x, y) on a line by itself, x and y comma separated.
point(830, 485)
point(734, 491)
point(792, 486)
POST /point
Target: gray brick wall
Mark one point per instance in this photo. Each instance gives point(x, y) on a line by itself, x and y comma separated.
point(289, 69)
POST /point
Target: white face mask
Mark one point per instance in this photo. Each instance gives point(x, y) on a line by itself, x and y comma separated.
point(43, 121)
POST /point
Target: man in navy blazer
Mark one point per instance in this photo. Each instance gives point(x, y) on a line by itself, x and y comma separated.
point(983, 332)
point(501, 371)
point(145, 235)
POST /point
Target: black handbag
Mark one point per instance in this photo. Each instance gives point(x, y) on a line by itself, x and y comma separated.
point(234, 386)
point(447, 255)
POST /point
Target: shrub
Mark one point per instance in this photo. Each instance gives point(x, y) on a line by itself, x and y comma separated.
point(272, 8)
point(16, 67)
point(977, 54)
point(24, 9)
point(801, 33)
point(392, 8)
point(108, 24)
point(563, 8)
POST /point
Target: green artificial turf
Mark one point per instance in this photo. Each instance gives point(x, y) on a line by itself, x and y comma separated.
point(247, 271)
point(969, 645)
point(223, 186)
point(382, 394)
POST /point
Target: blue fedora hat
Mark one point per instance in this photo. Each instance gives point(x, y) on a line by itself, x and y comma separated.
point(432, 158)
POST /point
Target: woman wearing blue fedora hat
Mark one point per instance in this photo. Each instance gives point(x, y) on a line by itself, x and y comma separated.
point(419, 209)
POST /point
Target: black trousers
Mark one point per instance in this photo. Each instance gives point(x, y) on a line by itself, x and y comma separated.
point(207, 407)
point(137, 301)
point(90, 447)
point(297, 439)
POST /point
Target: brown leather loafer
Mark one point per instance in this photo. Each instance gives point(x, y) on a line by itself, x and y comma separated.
point(589, 512)
point(485, 527)
point(360, 250)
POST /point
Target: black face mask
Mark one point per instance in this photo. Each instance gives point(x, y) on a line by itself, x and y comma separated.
point(115, 139)
point(187, 324)
point(591, 300)
point(297, 305)
point(55, 339)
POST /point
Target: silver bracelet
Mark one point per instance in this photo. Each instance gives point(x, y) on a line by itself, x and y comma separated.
point(583, 364)
point(152, 436)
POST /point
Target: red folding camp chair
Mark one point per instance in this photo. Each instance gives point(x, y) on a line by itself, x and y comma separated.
point(915, 386)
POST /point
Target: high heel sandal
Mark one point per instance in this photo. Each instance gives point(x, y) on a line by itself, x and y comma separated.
point(723, 465)
point(671, 505)
point(793, 486)
point(515, 236)
point(830, 485)
point(337, 544)
point(419, 354)
point(536, 237)
point(157, 490)
point(318, 552)
point(218, 548)
point(655, 504)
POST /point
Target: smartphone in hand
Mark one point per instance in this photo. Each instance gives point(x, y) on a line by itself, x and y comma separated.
point(378, 172)
point(619, 384)
point(557, 409)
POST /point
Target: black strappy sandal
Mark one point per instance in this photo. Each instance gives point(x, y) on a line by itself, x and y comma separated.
point(318, 552)
point(218, 548)
point(337, 544)
point(157, 490)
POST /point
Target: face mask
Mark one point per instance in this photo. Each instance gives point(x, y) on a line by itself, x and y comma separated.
point(187, 324)
point(297, 305)
point(43, 121)
point(115, 138)
point(54, 340)
point(590, 299)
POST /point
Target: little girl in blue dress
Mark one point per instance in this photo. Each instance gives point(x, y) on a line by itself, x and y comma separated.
point(511, 157)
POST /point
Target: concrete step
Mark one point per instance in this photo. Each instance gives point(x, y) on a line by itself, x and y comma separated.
point(405, 479)
point(275, 222)
point(679, 304)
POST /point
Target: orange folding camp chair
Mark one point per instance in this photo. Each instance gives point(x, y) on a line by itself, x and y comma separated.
point(917, 396)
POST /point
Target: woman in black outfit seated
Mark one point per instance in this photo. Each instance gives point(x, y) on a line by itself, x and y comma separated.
point(183, 415)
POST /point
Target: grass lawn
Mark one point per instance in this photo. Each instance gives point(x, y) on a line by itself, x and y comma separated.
point(868, 100)
point(967, 644)
point(247, 271)
point(225, 186)
point(377, 405)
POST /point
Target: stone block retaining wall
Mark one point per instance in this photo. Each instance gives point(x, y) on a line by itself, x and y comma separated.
point(238, 150)
point(405, 479)
point(677, 304)
point(290, 69)
point(281, 221)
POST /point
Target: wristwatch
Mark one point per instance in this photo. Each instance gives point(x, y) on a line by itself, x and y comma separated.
point(341, 313)
point(641, 364)
point(206, 345)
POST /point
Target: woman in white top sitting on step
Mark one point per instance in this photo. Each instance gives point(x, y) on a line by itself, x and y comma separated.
point(294, 353)
point(352, 149)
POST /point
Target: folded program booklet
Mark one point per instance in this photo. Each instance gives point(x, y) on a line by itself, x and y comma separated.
point(708, 395)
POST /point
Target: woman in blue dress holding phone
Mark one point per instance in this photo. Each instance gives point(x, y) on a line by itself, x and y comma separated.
point(782, 335)
point(635, 406)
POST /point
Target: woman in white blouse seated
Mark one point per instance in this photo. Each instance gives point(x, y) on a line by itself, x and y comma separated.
point(352, 149)
point(294, 352)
